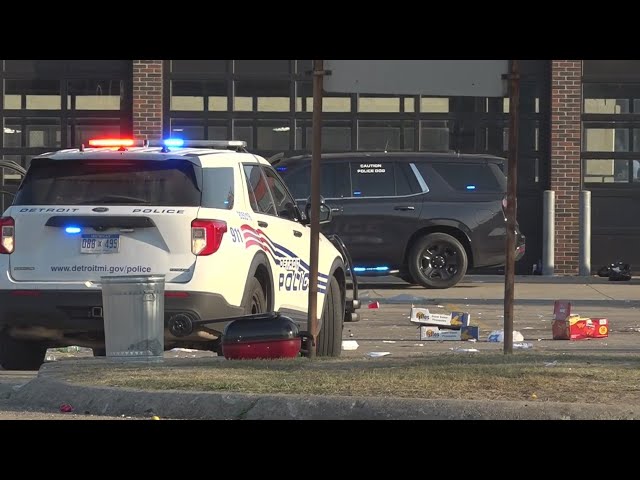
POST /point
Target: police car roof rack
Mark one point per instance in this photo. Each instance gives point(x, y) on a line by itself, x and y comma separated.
point(236, 145)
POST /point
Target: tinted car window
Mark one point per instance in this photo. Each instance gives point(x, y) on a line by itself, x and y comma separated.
point(406, 181)
point(472, 176)
point(335, 180)
point(259, 194)
point(372, 179)
point(217, 188)
point(112, 182)
point(284, 202)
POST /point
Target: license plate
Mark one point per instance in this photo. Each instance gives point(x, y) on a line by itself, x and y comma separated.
point(100, 243)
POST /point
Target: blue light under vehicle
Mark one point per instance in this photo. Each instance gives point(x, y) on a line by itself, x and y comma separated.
point(370, 269)
point(471, 187)
point(173, 142)
point(73, 229)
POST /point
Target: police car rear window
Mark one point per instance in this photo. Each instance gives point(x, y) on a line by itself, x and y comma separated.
point(109, 182)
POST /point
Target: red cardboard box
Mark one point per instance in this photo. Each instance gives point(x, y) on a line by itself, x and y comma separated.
point(566, 326)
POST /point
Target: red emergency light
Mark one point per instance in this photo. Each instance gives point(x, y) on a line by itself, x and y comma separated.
point(111, 142)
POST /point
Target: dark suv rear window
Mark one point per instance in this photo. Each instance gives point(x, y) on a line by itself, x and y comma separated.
point(472, 177)
point(102, 182)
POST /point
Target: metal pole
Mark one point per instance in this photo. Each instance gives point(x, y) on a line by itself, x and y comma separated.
point(548, 232)
point(312, 320)
point(512, 177)
point(585, 233)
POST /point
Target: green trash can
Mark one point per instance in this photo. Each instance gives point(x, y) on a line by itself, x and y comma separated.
point(133, 312)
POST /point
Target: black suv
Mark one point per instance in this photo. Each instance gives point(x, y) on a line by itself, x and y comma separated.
point(425, 217)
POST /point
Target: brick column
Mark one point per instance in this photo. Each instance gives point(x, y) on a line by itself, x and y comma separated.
point(147, 99)
point(566, 107)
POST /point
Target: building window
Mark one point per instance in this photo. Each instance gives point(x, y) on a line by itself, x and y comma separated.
point(94, 94)
point(198, 66)
point(435, 135)
point(389, 135)
point(36, 94)
point(336, 136)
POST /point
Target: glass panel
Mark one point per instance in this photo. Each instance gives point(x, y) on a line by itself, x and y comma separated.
point(12, 136)
point(410, 105)
point(606, 171)
point(260, 196)
point(187, 96)
point(283, 201)
point(219, 191)
point(434, 105)
point(606, 105)
point(39, 94)
point(435, 135)
point(198, 66)
point(378, 135)
point(95, 94)
point(335, 138)
point(372, 179)
point(379, 104)
point(243, 132)
point(409, 133)
point(216, 93)
point(606, 140)
point(264, 67)
point(88, 129)
point(330, 102)
point(274, 135)
point(187, 129)
point(272, 95)
point(406, 181)
point(43, 132)
point(217, 133)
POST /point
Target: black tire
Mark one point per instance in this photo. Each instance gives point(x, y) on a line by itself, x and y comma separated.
point(255, 300)
point(438, 260)
point(329, 341)
point(18, 354)
point(406, 276)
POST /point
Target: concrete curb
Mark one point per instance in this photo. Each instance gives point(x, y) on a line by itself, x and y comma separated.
point(49, 391)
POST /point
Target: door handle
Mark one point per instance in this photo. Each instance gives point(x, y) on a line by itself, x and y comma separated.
point(297, 233)
point(336, 209)
point(262, 224)
point(404, 207)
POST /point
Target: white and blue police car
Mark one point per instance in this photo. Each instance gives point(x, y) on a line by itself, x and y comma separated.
point(217, 221)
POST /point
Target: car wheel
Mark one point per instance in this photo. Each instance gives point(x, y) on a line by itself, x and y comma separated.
point(438, 260)
point(255, 300)
point(329, 341)
point(18, 354)
point(406, 276)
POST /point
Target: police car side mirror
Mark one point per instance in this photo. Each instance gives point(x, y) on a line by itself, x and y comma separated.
point(325, 211)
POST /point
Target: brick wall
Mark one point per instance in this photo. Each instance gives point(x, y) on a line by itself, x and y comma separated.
point(566, 107)
point(147, 99)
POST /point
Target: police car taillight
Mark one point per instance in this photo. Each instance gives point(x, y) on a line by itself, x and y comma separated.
point(7, 238)
point(206, 236)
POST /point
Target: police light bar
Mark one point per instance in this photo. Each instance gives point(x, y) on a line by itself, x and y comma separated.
point(214, 144)
point(111, 142)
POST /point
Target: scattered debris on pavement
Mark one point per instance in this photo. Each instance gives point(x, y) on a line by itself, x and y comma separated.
point(498, 336)
point(66, 408)
point(349, 345)
point(568, 326)
point(378, 354)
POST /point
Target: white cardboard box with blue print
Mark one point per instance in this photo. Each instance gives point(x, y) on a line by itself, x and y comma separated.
point(441, 327)
point(452, 320)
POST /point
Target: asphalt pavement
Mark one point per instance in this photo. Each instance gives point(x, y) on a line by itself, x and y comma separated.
point(385, 328)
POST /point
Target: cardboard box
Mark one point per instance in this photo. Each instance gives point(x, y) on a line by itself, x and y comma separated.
point(568, 326)
point(579, 328)
point(443, 334)
point(454, 320)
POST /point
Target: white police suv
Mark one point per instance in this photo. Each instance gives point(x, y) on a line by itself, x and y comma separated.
point(217, 221)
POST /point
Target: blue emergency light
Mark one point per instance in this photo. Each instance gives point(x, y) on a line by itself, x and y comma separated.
point(173, 142)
